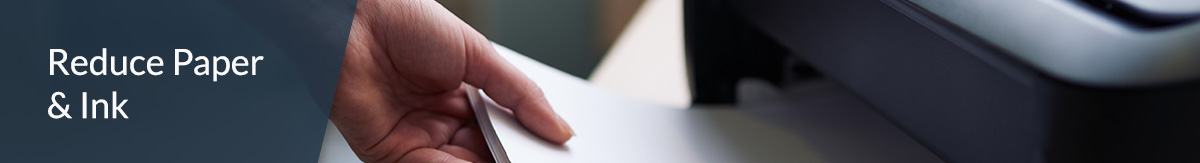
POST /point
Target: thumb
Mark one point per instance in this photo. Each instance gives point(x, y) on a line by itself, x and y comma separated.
point(510, 88)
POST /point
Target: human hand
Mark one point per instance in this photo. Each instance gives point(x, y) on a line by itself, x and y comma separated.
point(400, 98)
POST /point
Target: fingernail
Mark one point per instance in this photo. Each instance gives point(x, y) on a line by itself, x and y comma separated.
point(565, 127)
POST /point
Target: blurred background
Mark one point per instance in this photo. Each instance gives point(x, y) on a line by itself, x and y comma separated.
point(632, 47)
point(571, 35)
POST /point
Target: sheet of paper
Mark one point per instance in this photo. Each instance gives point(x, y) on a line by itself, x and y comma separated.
point(612, 128)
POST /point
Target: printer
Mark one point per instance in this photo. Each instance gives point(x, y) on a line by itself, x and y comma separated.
point(976, 80)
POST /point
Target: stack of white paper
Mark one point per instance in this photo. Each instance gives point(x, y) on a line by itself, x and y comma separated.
point(613, 128)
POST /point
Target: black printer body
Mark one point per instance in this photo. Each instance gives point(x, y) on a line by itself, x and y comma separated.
point(975, 80)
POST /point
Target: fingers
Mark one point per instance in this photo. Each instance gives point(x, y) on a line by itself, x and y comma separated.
point(460, 152)
point(453, 103)
point(510, 88)
point(430, 155)
point(471, 138)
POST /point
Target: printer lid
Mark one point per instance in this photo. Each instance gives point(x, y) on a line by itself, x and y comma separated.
point(1078, 42)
